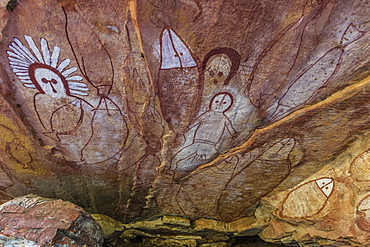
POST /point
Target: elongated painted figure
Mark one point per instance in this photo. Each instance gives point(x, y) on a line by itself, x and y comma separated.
point(363, 214)
point(108, 124)
point(178, 82)
point(271, 163)
point(314, 76)
point(360, 167)
point(108, 127)
point(308, 199)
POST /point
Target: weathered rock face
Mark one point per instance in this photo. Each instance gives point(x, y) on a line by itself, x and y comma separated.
point(137, 109)
point(36, 221)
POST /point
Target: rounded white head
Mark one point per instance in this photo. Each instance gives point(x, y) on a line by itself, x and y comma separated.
point(221, 102)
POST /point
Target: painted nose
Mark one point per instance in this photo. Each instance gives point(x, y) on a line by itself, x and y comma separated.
point(50, 82)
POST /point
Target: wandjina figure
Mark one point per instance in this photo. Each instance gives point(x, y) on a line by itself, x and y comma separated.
point(38, 69)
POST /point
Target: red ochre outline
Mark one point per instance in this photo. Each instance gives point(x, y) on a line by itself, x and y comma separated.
point(31, 71)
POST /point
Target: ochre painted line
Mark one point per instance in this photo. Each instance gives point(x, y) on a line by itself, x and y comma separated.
point(342, 95)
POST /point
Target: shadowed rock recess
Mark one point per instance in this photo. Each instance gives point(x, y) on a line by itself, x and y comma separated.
point(191, 122)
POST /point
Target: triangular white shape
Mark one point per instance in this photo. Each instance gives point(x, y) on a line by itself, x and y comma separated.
point(323, 182)
point(174, 52)
point(328, 189)
point(326, 185)
point(187, 60)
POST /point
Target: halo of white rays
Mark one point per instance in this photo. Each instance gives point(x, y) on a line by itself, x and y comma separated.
point(20, 58)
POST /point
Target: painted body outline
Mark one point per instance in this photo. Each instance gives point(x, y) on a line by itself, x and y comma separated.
point(356, 170)
point(219, 104)
point(39, 69)
point(103, 90)
point(323, 190)
point(287, 143)
point(178, 83)
point(263, 98)
point(344, 42)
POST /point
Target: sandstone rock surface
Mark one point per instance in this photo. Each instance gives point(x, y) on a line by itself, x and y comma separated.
point(197, 109)
point(36, 221)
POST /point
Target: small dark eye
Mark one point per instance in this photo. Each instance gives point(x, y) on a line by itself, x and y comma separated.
point(217, 101)
point(220, 74)
point(44, 80)
point(211, 73)
point(181, 54)
point(224, 102)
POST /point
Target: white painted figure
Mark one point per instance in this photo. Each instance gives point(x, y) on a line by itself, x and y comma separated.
point(209, 130)
point(41, 71)
point(57, 89)
point(315, 76)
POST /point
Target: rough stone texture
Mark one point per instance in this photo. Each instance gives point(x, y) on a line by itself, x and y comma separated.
point(337, 218)
point(47, 222)
point(178, 231)
point(112, 229)
point(192, 108)
point(8, 241)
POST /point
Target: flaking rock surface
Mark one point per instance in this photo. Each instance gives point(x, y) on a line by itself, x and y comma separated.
point(195, 108)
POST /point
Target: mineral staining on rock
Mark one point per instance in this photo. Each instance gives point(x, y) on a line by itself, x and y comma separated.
point(179, 107)
point(46, 222)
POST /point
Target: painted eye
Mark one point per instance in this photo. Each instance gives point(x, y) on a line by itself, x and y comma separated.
point(224, 102)
point(54, 81)
point(217, 101)
point(220, 74)
point(211, 73)
point(44, 80)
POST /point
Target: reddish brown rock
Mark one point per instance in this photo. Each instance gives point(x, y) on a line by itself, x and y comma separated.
point(48, 222)
point(197, 108)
